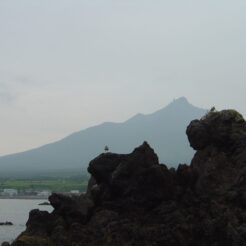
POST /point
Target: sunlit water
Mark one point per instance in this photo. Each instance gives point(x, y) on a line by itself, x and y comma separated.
point(17, 212)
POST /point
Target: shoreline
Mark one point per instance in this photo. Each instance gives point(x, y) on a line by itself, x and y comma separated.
point(23, 198)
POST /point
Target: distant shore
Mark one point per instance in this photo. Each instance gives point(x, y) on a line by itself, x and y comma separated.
point(24, 197)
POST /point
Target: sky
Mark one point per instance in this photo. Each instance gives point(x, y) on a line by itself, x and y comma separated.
point(66, 65)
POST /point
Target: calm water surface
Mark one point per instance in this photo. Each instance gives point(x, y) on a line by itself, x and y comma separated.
point(17, 212)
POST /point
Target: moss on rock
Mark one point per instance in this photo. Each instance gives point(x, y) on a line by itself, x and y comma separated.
point(26, 240)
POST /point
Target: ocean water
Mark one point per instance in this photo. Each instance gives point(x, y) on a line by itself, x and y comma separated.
point(17, 212)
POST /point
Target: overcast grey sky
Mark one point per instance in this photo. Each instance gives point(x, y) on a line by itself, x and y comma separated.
point(69, 64)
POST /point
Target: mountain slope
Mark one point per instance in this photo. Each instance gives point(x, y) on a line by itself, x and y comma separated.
point(164, 130)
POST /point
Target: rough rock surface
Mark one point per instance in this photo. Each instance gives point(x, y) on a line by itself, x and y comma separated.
point(133, 200)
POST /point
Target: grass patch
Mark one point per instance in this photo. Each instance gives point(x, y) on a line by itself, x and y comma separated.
point(52, 184)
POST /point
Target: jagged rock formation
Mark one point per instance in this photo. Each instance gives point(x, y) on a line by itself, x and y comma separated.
point(134, 200)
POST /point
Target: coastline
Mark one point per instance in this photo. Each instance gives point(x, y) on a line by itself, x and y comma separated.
point(23, 197)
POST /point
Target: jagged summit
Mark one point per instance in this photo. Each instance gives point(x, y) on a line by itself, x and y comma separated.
point(180, 105)
point(176, 105)
point(180, 102)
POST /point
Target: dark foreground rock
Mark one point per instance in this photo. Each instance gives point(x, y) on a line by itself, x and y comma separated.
point(133, 200)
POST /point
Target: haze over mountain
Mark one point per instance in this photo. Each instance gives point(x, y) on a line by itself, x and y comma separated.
point(164, 130)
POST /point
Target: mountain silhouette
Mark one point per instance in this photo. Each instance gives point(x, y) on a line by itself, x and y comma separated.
point(163, 129)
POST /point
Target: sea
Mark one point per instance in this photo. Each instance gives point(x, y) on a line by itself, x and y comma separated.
point(17, 212)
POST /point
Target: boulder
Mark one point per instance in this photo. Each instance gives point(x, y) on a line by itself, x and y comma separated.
point(225, 130)
point(71, 208)
point(137, 176)
point(5, 244)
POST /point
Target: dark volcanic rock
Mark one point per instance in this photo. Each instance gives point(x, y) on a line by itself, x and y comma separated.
point(72, 209)
point(39, 222)
point(225, 130)
point(136, 177)
point(131, 199)
point(5, 244)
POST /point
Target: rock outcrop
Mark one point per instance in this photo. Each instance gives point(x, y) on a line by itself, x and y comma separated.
point(133, 200)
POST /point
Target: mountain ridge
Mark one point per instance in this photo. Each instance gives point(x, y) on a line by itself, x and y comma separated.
point(76, 150)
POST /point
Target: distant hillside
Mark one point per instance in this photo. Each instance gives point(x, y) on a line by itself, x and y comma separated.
point(164, 130)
